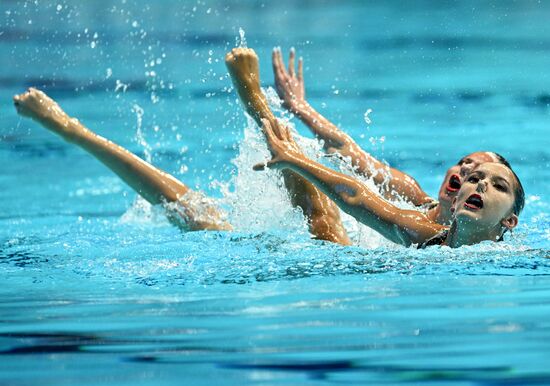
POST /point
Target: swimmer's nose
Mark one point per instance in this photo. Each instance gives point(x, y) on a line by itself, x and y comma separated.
point(16, 100)
point(481, 186)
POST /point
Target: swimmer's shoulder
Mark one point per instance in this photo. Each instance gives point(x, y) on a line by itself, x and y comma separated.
point(430, 209)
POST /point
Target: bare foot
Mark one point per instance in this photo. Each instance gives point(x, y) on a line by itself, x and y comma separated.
point(243, 67)
point(38, 106)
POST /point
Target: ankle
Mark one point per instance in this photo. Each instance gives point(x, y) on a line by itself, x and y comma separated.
point(68, 128)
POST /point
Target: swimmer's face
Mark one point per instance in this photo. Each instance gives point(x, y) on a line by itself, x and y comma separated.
point(456, 174)
point(487, 197)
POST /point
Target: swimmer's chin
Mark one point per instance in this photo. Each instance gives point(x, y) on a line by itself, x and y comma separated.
point(467, 214)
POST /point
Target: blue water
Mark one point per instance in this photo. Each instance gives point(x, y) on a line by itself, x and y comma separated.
point(97, 288)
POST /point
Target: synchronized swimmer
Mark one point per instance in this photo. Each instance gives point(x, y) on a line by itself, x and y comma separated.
point(480, 198)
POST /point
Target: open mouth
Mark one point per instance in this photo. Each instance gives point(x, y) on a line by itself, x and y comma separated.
point(454, 183)
point(474, 202)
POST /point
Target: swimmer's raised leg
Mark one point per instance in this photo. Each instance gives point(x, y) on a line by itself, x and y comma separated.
point(153, 184)
point(322, 214)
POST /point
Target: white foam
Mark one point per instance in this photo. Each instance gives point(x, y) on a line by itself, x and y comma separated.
point(258, 201)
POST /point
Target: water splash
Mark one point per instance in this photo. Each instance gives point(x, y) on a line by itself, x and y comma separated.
point(241, 40)
point(196, 208)
point(140, 138)
point(141, 211)
point(257, 201)
point(366, 117)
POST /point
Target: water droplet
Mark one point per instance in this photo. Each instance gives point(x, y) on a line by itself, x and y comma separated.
point(366, 116)
point(241, 41)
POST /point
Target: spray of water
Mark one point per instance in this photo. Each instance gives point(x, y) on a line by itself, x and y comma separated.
point(257, 201)
point(241, 40)
point(141, 211)
point(140, 138)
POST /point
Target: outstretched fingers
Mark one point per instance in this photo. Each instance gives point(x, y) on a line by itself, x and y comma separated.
point(291, 57)
point(274, 62)
point(266, 128)
point(288, 134)
point(278, 66)
point(281, 63)
point(284, 132)
point(300, 69)
point(271, 140)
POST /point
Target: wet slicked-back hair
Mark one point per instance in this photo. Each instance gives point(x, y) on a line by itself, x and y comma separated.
point(502, 160)
point(519, 193)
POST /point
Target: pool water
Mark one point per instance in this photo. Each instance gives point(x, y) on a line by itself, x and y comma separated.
point(99, 289)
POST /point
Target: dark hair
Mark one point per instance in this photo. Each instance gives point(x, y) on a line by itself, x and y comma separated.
point(519, 193)
point(502, 160)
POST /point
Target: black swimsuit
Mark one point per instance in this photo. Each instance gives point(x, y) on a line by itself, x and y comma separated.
point(438, 239)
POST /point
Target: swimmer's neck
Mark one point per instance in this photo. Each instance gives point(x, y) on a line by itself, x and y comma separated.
point(440, 214)
point(468, 233)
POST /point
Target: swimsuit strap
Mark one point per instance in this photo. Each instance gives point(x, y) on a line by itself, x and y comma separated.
point(438, 239)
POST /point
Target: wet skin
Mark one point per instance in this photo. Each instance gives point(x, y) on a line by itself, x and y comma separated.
point(159, 187)
point(153, 184)
point(321, 213)
point(484, 202)
point(490, 183)
point(392, 182)
point(156, 186)
point(453, 181)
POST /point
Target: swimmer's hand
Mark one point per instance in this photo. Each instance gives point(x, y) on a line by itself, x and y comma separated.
point(38, 106)
point(289, 85)
point(281, 145)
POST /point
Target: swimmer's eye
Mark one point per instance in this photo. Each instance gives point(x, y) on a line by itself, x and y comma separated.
point(473, 179)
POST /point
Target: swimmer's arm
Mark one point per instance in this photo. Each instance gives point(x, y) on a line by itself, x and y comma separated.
point(401, 226)
point(290, 87)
